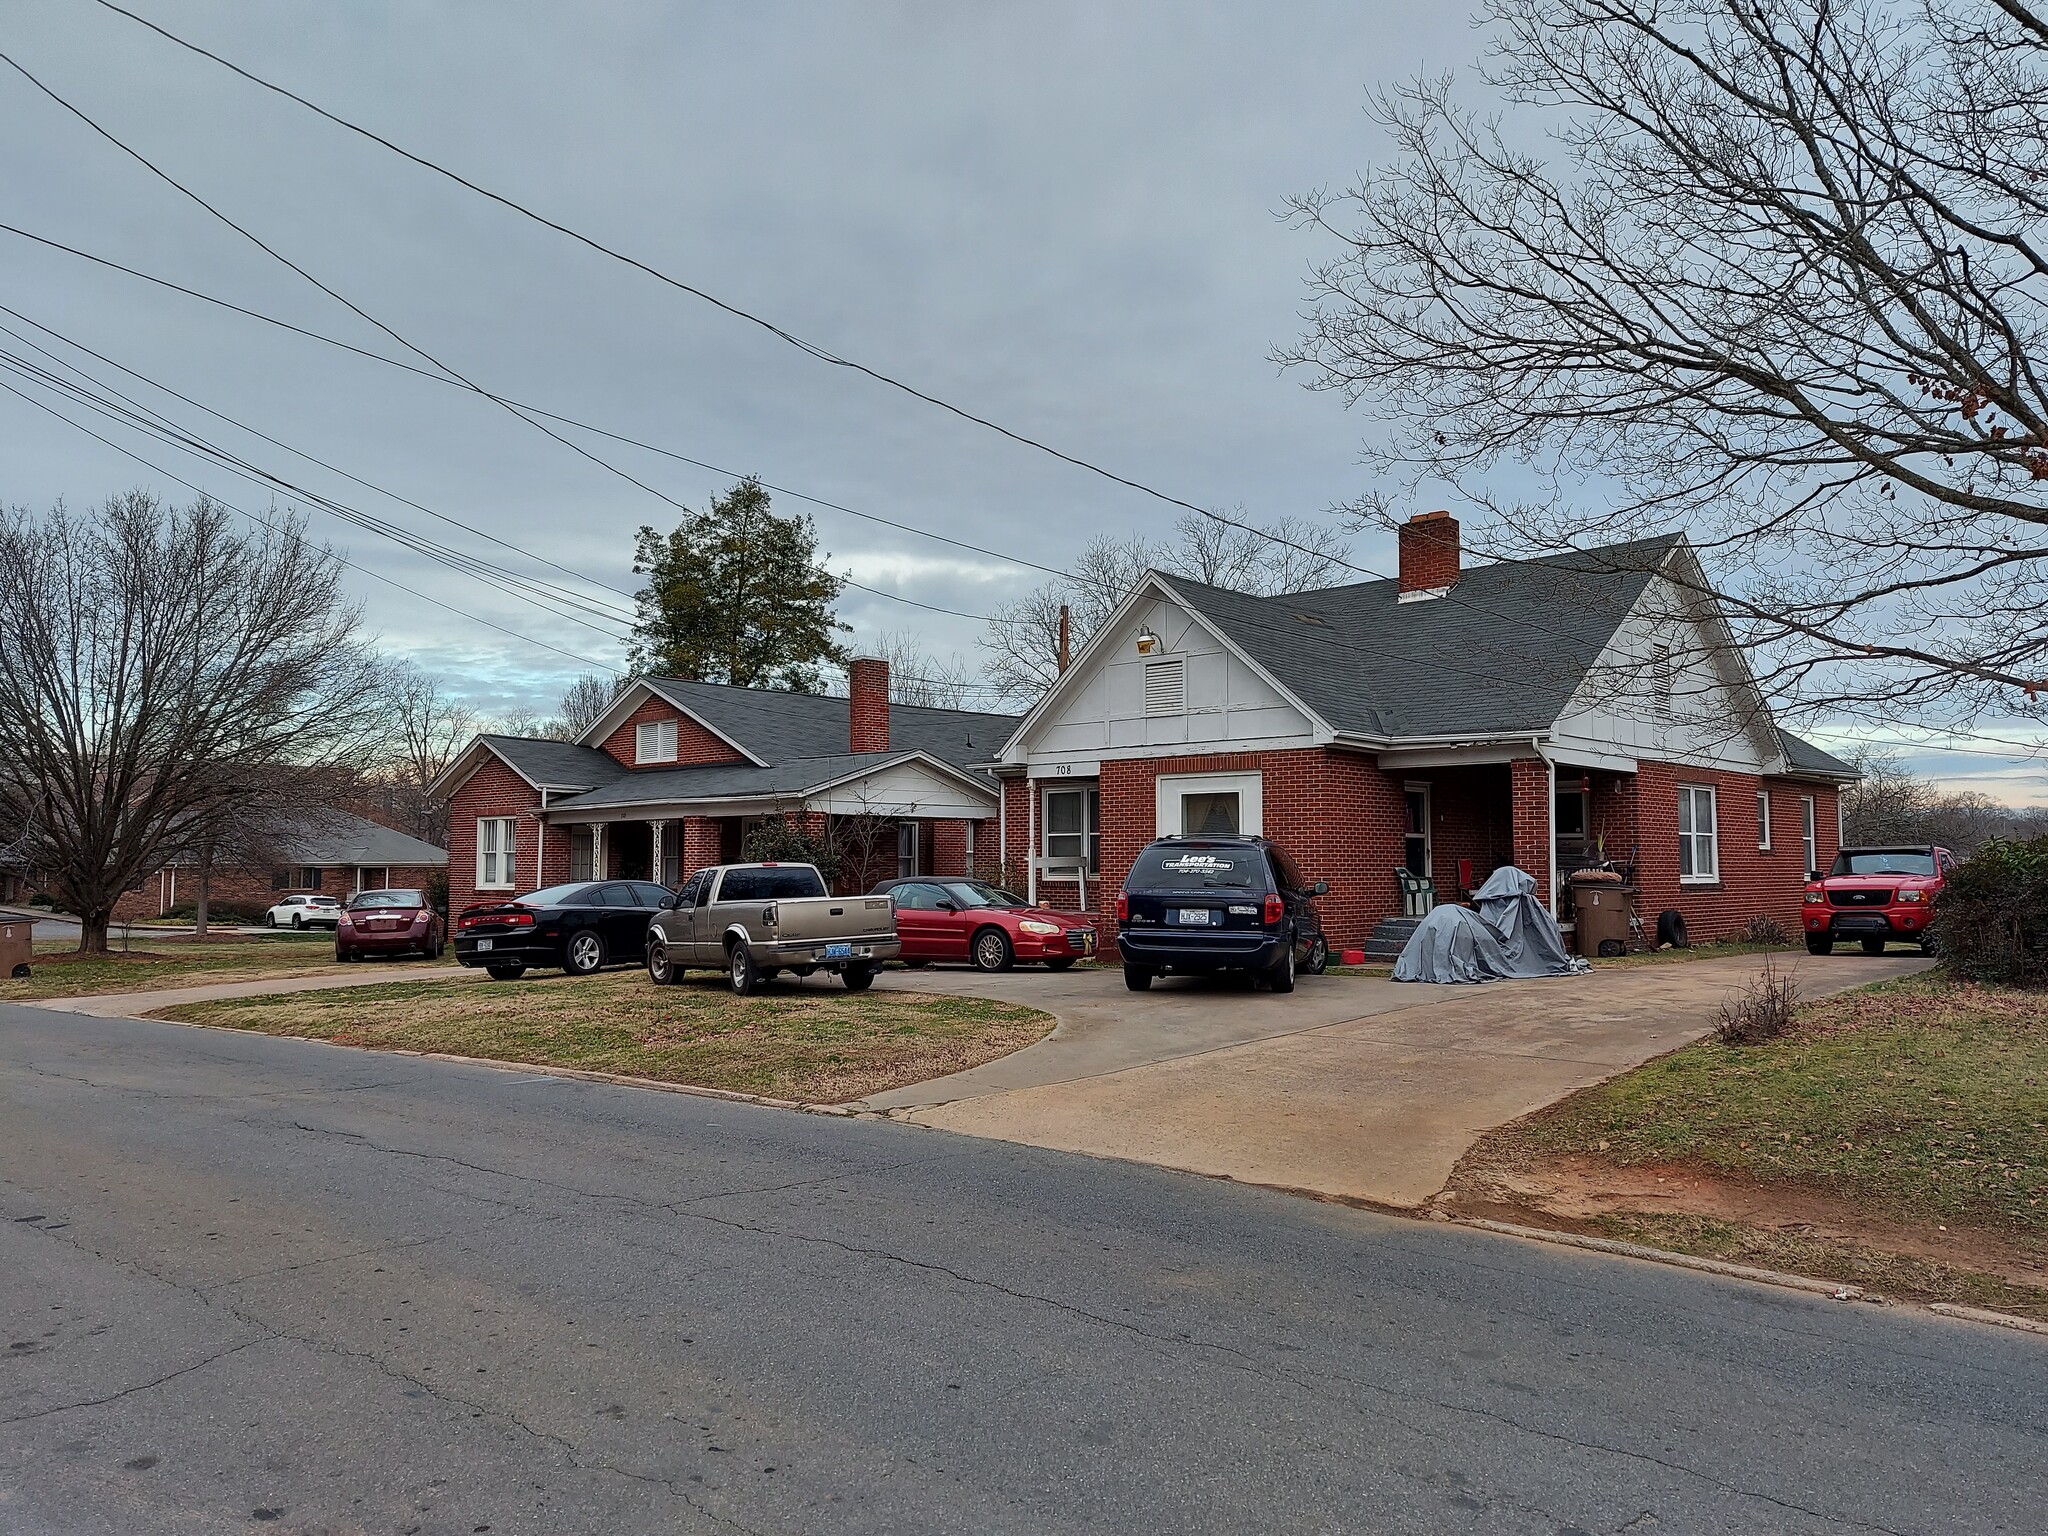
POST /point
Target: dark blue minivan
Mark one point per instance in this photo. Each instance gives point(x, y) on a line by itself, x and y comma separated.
point(1200, 905)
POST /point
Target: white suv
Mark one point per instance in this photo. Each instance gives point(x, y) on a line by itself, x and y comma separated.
point(305, 912)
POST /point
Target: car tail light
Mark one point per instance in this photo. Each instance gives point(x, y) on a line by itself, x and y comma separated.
point(1275, 908)
point(1123, 907)
point(519, 917)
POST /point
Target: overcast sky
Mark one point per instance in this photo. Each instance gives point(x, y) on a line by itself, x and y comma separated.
point(1061, 217)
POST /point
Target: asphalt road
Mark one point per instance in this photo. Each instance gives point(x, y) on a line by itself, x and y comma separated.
point(278, 1286)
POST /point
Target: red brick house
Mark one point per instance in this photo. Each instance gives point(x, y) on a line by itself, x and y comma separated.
point(1553, 713)
point(335, 852)
point(671, 777)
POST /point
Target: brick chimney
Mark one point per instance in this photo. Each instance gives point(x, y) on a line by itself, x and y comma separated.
point(867, 681)
point(1429, 556)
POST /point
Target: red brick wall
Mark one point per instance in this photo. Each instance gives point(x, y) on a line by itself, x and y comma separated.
point(252, 888)
point(493, 790)
point(694, 744)
point(1429, 552)
point(1753, 883)
point(1529, 778)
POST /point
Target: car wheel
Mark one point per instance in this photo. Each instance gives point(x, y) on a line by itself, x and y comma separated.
point(661, 970)
point(433, 951)
point(585, 954)
point(1929, 945)
point(508, 972)
point(991, 950)
point(345, 956)
point(858, 978)
point(1819, 944)
point(1281, 977)
point(270, 919)
point(1318, 960)
point(740, 971)
point(1137, 978)
point(1059, 965)
point(1873, 946)
point(298, 921)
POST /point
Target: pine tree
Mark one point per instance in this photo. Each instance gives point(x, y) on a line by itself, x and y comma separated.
point(736, 595)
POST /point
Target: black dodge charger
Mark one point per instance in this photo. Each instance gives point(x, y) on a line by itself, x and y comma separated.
point(580, 928)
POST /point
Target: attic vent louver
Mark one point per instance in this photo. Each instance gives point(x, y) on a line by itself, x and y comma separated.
point(1166, 687)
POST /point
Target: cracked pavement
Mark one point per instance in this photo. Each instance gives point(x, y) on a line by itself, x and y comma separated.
point(263, 1284)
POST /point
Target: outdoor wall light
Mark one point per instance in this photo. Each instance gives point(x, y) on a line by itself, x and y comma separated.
point(1147, 642)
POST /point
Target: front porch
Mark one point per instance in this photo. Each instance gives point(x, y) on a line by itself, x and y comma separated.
point(667, 850)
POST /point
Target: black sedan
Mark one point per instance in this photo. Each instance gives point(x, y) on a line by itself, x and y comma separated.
point(580, 928)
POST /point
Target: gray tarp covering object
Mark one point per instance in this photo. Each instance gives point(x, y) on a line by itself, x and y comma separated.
point(1510, 935)
point(1530, 935)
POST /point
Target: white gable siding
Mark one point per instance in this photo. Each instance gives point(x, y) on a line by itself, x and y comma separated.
point(1101, 708)
point(1712, 718)
point(906, 789)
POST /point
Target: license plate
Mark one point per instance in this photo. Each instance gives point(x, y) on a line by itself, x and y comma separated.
point(482, 945)
point(838, 951)
point(1193, 917)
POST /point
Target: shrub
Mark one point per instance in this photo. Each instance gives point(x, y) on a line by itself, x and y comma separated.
point(784, 840)
point(43, 899)
point(1760, 1011)
point(1762, 930)
point(1991, 923)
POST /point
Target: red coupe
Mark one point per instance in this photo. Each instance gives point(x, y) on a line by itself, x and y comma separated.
point(986, 926)
point(389, 922)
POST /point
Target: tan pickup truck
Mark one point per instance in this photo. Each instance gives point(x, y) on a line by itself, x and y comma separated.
point(754, 921)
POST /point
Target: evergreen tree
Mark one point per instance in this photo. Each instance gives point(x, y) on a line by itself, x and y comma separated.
point(736, 595)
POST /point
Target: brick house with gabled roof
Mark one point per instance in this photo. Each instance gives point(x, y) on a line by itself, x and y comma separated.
point(671, 776)
point(1584, 708)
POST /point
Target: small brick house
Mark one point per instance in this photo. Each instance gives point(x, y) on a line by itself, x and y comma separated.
point(1583, 709)
point(335, 853)
point(673, 775)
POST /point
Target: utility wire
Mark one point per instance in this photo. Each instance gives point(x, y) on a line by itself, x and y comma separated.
point(431, 602)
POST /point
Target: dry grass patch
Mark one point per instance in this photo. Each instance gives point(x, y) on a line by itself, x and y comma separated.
point(810, 1041)
point(164, 962)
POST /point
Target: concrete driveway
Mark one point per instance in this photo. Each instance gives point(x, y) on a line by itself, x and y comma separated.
point(1354, 1087)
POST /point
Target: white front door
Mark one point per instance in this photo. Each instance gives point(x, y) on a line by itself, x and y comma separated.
point(1415, 849)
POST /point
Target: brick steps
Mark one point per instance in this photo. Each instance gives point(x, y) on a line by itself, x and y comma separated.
point(1390, 937)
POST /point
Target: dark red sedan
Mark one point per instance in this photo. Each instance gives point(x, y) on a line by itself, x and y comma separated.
point(390, 922)
point(982, 924)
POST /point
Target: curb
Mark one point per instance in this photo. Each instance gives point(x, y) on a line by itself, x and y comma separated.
point(1995, 1319)
point(1720, 1267)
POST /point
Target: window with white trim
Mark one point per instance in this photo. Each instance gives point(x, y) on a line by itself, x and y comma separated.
point(1073, 826)
point(906, 849)
point(1166, 686)
point(1763, 821)
point(1808, 835)
point(1699, 852)
point(494, 844)
point(654, 741)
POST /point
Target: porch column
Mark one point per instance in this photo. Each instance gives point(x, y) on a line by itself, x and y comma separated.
point(702, 844)
point(1530, 797)
point(597, 850)
point(654, 851)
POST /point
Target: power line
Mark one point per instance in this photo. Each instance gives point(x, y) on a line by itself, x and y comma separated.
point(261, 523)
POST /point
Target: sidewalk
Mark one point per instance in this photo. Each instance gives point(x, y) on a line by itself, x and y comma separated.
point(135, 1005)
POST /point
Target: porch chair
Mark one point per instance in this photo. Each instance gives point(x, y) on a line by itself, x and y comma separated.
point(1418, 892)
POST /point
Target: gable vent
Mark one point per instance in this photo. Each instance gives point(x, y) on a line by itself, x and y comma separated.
point(1166, 686)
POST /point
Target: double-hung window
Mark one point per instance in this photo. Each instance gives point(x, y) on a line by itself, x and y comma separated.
point(1699, 853)
point(1763, 820)
point(906, 849)
point(494, 841)
point(1807, 835)
point(1073, 827)
point(654, 741)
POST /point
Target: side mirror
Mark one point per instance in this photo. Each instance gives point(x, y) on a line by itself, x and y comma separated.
point(667, 903)
point(947, 906)
point(1320, 888)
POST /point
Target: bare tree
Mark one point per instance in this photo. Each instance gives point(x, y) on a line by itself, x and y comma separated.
point(429, 728)
point(919, 676)
point(1894, 805)
point(1023, 642)
point(583, 701)
point(158, 670)
point(1782, 283)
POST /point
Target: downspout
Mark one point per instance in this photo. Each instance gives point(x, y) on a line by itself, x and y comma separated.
point(1549, 820)
point(1030, 837)
point(1002, 825)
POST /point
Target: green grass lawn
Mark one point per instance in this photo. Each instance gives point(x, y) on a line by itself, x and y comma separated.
point(813, 1041)
point(1924, 1098)
point(60, 971)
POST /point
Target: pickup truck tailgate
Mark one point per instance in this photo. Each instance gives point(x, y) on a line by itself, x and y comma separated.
point(829, 919)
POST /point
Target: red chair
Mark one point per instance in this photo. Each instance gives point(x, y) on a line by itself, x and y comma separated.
point(1464, 879)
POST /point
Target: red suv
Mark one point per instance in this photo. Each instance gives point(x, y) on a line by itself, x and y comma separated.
point(1876, 895)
